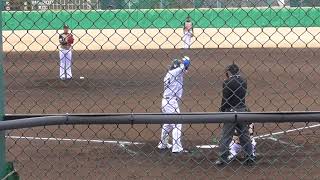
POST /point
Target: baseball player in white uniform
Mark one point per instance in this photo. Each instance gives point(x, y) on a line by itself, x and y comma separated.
point(65, 53)
point(187, 33)
point(281, 3)
point(173, 89)
point(235, 146)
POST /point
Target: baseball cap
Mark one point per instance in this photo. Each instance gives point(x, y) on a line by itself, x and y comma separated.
point(233, 69)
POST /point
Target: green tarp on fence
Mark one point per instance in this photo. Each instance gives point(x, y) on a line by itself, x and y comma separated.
point(168, 18)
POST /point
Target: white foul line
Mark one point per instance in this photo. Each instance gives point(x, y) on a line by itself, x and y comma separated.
point(263, 136)
point(127, 149)
point(283, 132)
point(122, 143)
point(74, 140)
point(207, 146)
point(282, 142)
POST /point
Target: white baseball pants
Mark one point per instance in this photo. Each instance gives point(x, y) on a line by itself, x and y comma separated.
point(187, 40)
point(235, 149)
point(171, 106)
point(65, 63)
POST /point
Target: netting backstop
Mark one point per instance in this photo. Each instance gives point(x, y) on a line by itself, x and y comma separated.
point(88, 107)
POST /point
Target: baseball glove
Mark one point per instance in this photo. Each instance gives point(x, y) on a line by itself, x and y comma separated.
point(70, 39)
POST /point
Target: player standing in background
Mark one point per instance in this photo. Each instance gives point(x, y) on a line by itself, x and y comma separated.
point(281, 3)
point(66, 40)
point(187, 33)
point(235, 146)
point(173, 89)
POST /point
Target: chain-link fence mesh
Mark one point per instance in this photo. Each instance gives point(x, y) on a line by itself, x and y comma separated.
point(130, 152)
point(123, 62)
point(117, 62)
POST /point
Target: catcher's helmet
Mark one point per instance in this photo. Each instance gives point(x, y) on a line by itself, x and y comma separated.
point(174, 64)
point(233, 69)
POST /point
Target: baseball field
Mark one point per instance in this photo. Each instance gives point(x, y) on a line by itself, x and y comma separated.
point(123, 72)
point(131, 81)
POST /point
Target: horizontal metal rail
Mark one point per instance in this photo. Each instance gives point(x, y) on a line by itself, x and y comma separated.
point(27, 121)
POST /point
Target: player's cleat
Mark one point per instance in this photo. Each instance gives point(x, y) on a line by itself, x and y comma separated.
point(164, 146)
point(231, 157)
point(249, 161)
point(254, 158)
point(182, 152)
point(221, 162)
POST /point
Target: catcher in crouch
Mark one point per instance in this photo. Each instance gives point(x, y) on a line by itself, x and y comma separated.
point(66, 40)
point(235, 146)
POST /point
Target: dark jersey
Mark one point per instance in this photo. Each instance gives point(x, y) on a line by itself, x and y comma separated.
point(234, 93)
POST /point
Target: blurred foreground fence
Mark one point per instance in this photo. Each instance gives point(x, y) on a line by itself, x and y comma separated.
point(124, 146)
point(119, 58)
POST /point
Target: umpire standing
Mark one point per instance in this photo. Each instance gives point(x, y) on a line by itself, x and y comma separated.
point(233, 100)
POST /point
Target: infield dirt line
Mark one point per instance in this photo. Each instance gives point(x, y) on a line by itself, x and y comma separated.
point(165, 38)
point(211, 146)
point(282, 142)
point(121, 143)
point(291, 130)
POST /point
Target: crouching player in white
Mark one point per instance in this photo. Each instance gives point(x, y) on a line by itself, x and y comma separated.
point(173, 88)
point(235, 146)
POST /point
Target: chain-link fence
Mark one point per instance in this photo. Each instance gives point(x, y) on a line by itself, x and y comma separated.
point(124, 151)
point(18, 5)
point(102, 57)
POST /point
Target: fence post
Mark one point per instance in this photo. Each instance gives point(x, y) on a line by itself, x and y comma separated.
point(2, 133)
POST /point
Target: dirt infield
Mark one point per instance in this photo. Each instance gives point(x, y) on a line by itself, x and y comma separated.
point(131, 81)
point(91, 153)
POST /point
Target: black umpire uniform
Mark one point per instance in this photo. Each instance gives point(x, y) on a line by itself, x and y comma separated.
point(233, 100)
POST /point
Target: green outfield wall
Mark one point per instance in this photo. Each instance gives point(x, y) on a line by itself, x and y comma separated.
point(167, 18)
